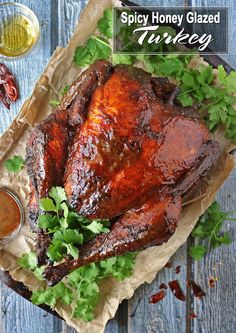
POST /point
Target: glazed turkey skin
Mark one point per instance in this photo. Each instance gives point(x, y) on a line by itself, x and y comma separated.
point(123, 151)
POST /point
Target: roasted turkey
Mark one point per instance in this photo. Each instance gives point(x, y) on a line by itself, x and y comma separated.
point(123, 151)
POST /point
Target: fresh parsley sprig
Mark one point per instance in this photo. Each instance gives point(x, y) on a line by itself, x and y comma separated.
point(208, 231)
point(14, 164)
point(94, 49)
point(81, 287)
point(105, 23)
point(67, 228)
point(29, 261)
point(56, 102)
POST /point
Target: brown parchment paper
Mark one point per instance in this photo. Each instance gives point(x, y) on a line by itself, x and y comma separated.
point(57, 74)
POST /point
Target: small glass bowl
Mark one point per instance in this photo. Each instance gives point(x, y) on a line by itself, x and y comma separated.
point(16, 231)
point(12, 11)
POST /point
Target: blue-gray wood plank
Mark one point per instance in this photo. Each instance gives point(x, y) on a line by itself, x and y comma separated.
point(217, 311)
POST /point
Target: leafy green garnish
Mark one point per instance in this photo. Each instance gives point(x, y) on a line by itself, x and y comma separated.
point(96, 227)
point(64, 90)
point(197, 252)
point(68, 228)
point(64, 243)
point(122, 59)
point(81, 287)
point(56, 102)
point(198, 87)
point(105, 23)
point(50, 295)
point(14, 164)
point(209, 231)
point(95, 48)
point(29, 261)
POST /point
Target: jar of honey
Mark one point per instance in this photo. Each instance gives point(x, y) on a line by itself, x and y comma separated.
point(11, 216)
point(19, 30)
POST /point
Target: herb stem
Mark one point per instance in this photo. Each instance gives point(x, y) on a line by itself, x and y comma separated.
point(101, 41)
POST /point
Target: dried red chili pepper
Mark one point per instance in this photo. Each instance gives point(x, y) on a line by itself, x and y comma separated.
point(8, 88)
point(3, 97)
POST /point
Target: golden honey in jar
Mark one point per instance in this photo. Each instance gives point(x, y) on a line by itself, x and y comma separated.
point(17, 36)
point(11, 216)
point(19, 30)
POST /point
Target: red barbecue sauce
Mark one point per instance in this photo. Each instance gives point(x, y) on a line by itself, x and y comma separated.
point(10, 217)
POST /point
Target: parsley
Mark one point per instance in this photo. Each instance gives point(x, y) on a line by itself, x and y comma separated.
point(81, 287)
point(105, 23)
point(64, 243)
point(64, 90)
point(208, 231)
point(120, 267)
point(96, 227)
point(94, 49)
point(216, 101)
point(198, 87)
point(122, 59)
point(14, 164)
point(67, 228)
point(50, 295)
point(29, 261)
point(56, 102)
point(197, 252)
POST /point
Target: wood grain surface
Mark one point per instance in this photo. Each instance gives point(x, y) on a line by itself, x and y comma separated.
point(216, 312)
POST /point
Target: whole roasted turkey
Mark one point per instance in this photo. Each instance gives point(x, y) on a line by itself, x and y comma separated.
point(122, 151)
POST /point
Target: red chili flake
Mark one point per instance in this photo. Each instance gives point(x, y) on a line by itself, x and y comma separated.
point(197, 290)
point(168, 264)
point(176, 290)
point(157, 297)
point(163, 286)
point(177, 269)
point(188, 283)
point(212, 282)
point(192, 315)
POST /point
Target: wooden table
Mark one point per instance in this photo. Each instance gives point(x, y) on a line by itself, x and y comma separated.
point(217, 311)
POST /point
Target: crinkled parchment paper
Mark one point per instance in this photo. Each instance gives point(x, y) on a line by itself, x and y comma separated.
point(58, 73)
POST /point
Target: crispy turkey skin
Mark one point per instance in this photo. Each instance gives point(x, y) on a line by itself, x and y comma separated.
point(122, 151)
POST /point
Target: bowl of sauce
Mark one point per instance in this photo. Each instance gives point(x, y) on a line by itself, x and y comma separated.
point(11, 216)
point(19, 30)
